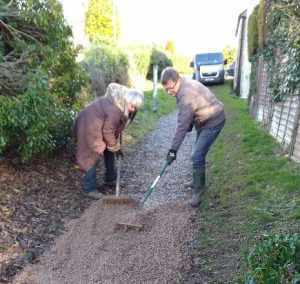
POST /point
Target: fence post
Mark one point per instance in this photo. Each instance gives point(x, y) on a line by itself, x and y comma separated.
point(295, 130)
point(155, 72)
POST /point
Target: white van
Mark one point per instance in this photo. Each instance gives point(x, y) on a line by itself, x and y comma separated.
point(209, 67)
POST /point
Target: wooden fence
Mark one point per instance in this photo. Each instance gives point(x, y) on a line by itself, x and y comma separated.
point(282, 119)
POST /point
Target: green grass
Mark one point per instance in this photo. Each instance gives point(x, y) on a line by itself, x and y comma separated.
point(253, 190)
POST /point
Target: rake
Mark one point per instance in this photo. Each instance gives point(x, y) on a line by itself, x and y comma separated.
point(118, 198)
point(138, 227)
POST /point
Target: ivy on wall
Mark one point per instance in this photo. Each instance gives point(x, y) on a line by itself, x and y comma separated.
point(253, 34)
point(274, 33)
point(261, 27)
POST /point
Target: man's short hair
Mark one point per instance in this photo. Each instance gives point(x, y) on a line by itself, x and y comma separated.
point(168, 74)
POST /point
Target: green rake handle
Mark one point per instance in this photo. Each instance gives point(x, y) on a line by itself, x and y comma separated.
point(151, 188)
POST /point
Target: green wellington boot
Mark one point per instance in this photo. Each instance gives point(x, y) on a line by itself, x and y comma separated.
point(198, 187)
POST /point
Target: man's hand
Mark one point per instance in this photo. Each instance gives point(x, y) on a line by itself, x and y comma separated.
point(119, 153)
point(171, 157)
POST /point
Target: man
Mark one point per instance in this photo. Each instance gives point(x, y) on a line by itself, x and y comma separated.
point(96, 130)
point(197, 106)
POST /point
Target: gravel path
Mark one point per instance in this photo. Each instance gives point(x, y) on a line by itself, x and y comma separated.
point(93, 251)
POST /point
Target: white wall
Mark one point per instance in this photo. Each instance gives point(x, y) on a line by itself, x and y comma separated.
point(246, 68)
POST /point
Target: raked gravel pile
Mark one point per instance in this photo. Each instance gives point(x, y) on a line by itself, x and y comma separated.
point(93, 251)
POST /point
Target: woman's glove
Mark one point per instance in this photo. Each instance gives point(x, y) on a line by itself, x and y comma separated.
point(171, 157)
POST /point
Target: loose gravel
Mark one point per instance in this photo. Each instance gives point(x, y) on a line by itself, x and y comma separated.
point(92, 250)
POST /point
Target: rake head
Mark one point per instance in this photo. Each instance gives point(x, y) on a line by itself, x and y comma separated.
point(128, 226)
point(121, 199)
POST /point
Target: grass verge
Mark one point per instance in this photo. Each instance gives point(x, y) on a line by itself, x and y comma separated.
point(254, 191)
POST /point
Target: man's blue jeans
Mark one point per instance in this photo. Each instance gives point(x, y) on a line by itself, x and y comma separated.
point(204, 139)
point(89, 180)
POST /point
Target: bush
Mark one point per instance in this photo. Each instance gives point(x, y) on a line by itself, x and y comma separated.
point(275, 260)
point(229, 53)
point(158, 58)
point(39, 78)
point(24, 120)
point(181, 63)
point(139, 59)
point(105, 64)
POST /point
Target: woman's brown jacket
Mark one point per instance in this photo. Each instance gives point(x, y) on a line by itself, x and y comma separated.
point(99, 124)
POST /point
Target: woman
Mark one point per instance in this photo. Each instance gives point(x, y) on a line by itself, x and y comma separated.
point(97, 129)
